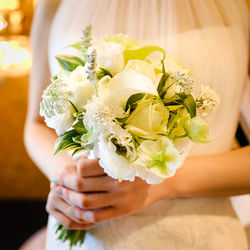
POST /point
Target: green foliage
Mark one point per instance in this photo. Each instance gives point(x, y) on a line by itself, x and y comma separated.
point(141, 53)
point(180, 100)
point(73, 105)
point(65, 142)
point(133, 100)
point(175, 124)
point(103, 72)
point(79, 127)
point(123, 119)
point(189, 103)
point(69, 63)
point(161, 86)
point(55, 77)
point(73, 236)
point(77, 46)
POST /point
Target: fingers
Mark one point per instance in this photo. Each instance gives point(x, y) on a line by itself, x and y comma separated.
point(90, 184)
point(100, 215)
point(61, 211)
point(89, 168)
point(84, 200)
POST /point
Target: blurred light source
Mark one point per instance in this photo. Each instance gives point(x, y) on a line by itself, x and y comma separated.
point(15, 57)
point(34, 3)
point(3, 23)
point(15, 20)
point(9, 4)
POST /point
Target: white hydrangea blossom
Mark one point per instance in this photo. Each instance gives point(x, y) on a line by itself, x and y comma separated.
point(207, 101)
point(100, 115)
point(55, 99)
point(183, 81)
point(56, 108)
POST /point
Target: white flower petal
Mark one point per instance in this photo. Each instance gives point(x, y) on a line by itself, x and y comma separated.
point(132, 80)
point(114, 165)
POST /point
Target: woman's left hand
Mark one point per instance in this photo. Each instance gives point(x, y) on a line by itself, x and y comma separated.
point(106, 198)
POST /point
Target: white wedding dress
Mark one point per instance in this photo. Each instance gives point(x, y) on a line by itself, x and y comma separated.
point(210, 38)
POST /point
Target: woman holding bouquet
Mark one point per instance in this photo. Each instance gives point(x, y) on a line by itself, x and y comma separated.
point(190, 210)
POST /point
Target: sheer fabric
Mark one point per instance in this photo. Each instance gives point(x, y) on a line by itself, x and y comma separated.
point(211, 38)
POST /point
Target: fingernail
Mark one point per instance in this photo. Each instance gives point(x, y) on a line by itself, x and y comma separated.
point(54, 180)
point(88, 216)
point(58, 191)
point(70, 211)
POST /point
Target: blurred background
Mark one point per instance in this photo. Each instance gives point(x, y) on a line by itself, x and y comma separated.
point(23, 188)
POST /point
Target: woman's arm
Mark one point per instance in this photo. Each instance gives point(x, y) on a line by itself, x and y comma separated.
point(39, 139)
point(212, 175)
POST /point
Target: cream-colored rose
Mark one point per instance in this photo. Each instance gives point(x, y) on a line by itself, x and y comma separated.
point(149, 119)
point(81, 88)
point(142, 67)
point(110, 57)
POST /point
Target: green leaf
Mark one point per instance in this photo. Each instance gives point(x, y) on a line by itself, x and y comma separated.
point(73, 236)
point(69, 63)
point(79, 127)
point(189, 103)
point(162, 83)
point(77, 139)
point(103, 72)
point(65, 142)
point(55, 77)
point(77, 150)
point(141, 53)
point(77, 45)
point(132, 101)
point(73, 105)
point(123, 119)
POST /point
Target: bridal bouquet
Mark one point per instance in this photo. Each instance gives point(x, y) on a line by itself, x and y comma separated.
point(131, 105)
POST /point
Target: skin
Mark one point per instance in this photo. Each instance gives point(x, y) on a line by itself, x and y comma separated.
point(81, 193)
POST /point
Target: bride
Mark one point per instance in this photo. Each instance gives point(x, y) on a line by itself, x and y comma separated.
point(190, 210)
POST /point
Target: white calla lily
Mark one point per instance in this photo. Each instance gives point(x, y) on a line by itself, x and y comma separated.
point(132, 80)
point(142, 67)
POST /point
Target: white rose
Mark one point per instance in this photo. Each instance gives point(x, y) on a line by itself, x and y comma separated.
point(142, 67)
point(81, 88)
point(110, 57)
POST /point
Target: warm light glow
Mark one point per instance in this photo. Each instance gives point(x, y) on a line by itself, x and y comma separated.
point(15, 20)
point(9, 4)
point(14, 59)
point(3, 23)
point(35, 2)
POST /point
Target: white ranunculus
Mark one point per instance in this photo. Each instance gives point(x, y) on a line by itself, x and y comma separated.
point(110, 57)
point(114, 165)
point(159, 157)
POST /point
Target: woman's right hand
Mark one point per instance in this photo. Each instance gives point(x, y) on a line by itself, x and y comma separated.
point(58, 203)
